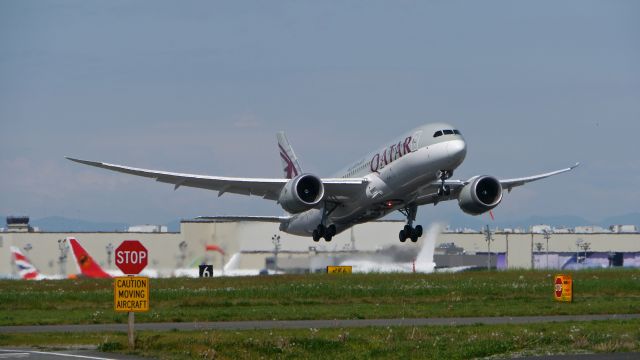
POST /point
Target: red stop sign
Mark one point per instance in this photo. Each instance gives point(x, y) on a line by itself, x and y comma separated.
point(131, 257)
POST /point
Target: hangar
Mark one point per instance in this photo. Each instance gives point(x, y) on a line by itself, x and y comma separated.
point(261, 245)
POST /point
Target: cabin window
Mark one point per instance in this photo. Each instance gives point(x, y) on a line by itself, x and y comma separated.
point(448, 132)
point(437, 133)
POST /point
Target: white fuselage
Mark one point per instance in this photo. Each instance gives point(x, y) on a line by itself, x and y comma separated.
point(396, 173)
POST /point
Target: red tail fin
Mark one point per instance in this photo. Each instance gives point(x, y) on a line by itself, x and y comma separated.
point(87, 266)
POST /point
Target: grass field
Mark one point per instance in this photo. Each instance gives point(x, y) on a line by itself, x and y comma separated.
point(435, 342)
point(322, 296)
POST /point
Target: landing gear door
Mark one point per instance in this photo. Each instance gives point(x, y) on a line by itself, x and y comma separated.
point(415, 140)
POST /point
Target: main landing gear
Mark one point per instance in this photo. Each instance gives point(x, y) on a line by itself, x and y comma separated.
point(409, 232)
point(322, 231)
point(326, 232)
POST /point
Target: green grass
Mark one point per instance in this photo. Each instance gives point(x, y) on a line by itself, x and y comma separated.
point(322, 296)
point(441, 342)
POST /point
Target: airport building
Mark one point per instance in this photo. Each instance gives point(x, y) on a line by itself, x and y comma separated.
point(262, 246)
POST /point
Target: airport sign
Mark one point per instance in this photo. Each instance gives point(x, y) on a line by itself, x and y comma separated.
point(131, 257)
point(205, 271)
point(563, 288)
point(131, 294)
point(339, 269)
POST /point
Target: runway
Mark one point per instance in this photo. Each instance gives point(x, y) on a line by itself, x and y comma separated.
point(316, 324)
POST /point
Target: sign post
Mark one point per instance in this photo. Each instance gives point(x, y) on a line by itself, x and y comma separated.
point(131, 293)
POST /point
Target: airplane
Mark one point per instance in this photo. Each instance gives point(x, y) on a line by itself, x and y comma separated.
point(26, 270)
point(414, 169)
point(88, 267)
point(231, 268)
point(423, 263)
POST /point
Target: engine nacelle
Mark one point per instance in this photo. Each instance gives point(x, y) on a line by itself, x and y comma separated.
point(301, 193)
point(482, 194)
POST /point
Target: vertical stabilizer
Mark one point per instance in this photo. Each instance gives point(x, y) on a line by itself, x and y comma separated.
point(233, 263)
point(26, 270)
point(290, 164)
point(424, 260)
point(86, 265)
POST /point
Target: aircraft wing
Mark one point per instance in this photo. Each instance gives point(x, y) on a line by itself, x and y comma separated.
point(335, 189)
point(511, 183)
point(429, 195)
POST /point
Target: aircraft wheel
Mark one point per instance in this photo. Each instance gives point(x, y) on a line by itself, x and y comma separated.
point(419, 230)
point(414, 238)
point(407, 229)
point(315, 236)
point(327, 238)
point(331, 230)
point(321, 230)
point(403, 236)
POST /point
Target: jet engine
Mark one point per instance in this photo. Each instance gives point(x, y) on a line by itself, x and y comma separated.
point(480, 195)
point(301, 193)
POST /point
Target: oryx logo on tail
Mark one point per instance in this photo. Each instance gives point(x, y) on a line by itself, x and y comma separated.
point(290, 164)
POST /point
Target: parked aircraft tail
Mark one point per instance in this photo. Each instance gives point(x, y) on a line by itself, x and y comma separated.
point(290, 164)
point(424, 260)
point(26, 270)
point(86, 265)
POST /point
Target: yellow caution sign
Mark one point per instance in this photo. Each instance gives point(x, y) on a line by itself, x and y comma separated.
point(339, 269)
point(131, 294)
point(563, 289)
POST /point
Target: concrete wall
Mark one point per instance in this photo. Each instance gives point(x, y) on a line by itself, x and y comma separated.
point(45, 252)
point(254, 239)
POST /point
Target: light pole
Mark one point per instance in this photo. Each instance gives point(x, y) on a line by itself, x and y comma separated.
point(62, 260)
point(585, 247)
point(109, 249)
point(578, 242)
point(488, 238)
point(611, 255)
point(539, 248)
point(275, 239)
point(547, 236)
point(183, 252)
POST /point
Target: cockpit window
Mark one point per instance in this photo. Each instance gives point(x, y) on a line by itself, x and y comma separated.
point(437, 133)
point(456, 132)
point(448, 132)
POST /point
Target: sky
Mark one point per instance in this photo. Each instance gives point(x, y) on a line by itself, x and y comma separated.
point(202, 87)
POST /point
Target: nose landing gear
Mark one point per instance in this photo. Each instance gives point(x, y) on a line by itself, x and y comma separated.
point(444, 190)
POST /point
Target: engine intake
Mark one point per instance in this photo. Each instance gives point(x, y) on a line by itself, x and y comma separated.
point(482, 194)
point(301, 193)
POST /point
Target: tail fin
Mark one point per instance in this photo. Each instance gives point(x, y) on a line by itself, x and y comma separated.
point(86, 265)
point(233, 263)
point(290, 164)
point(26, 270)
point(424, 260)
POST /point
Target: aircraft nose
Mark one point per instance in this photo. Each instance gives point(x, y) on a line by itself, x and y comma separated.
point(457, 149)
